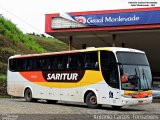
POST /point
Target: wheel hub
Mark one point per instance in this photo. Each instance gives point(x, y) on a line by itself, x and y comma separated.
point(93, 100)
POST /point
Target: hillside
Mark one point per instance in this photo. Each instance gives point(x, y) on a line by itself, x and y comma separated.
point(13, 41)
point(50, 44)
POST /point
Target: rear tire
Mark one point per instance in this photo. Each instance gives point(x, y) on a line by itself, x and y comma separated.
point(28, 96)
point(91, 100)
point(52, 101)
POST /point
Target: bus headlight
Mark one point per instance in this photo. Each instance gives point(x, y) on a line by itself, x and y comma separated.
point(126, 96)
point(150, 95)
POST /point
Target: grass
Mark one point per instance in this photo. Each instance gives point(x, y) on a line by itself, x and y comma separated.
point(3, 77)
point(15, 35)
point(50, 44)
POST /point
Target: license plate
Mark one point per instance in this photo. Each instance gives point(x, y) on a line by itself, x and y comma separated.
point(140, 102)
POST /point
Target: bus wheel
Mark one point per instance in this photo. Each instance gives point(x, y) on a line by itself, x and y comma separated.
point(28, 96)
point(116, 107)
point(91, 100)
point(52, 101)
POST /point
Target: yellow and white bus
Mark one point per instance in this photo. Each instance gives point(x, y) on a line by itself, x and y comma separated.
point(95, 76)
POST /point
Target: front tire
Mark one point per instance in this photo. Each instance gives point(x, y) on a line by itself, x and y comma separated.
point(28, 96)
point(91, 100)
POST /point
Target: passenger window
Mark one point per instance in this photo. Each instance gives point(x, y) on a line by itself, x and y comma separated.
point(54, 63)
point(90, 61)
point(46, 63)
point(21, 64)
point(12, 64)
point(40, 62)
point(29, 64)
point(74, 61)
point(62, 62)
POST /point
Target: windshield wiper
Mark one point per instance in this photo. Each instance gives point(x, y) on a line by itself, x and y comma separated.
point(138, 79)
point(145, 78)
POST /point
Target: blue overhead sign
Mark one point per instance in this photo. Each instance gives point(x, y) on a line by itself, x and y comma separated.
point(119, 19)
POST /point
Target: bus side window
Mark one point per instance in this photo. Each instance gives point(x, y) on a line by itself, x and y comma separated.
point(62, 62)
point(60, 66)
point(34, 64)
point(39, 63)
point(29, 64)
point(12, 64)
point(46, 63)
point(74, 62)
point(90, 60)
point(54, 63)
point(21, 64)
point(96, 65)
point(18, 64)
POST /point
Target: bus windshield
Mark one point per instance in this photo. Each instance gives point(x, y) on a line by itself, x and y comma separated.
point(135, 71)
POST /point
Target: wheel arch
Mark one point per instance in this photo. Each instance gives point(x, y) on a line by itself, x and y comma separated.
point(27, 87)
point(87, 92)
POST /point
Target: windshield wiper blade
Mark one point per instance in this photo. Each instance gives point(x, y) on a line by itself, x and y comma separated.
point(139, 85)
point(145, 78)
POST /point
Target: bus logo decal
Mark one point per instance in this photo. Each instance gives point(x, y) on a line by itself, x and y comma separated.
point(110, 94)
point(63, 76)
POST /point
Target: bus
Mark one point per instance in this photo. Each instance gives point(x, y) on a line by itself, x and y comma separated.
point(110, 75)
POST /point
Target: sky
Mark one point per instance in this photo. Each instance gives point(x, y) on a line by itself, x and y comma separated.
point(29, 15)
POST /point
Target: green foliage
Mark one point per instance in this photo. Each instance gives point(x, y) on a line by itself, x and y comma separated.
point(3, 68)
point(50, 44)
point(13, 41)
point(3, 77)
point(8, 29)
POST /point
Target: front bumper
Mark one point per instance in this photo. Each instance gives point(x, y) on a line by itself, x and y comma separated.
point(136, 101)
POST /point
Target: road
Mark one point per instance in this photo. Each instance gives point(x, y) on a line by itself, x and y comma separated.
point(17, 109)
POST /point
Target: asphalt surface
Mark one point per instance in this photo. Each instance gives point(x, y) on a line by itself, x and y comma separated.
point(18, 109)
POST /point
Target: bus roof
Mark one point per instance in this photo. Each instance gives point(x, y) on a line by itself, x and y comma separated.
point(113, 49)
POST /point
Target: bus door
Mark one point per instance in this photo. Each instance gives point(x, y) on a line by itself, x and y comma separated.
point(110, 74)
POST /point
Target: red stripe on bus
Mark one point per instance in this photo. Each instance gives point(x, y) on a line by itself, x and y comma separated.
point(33, 76)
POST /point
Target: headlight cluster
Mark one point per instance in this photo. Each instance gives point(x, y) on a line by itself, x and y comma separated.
point(126, 96)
